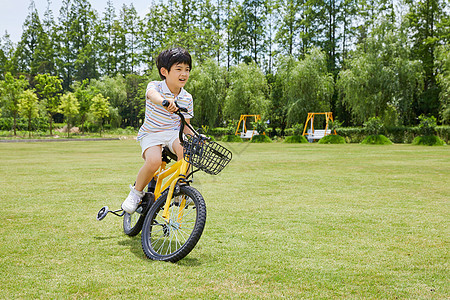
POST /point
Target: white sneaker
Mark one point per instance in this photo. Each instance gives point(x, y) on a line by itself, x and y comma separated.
point(131, 203)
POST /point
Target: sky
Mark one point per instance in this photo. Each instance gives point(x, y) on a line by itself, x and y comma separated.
point(14, 12)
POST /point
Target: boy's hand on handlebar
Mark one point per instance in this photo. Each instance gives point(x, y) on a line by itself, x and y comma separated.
point(170, 105)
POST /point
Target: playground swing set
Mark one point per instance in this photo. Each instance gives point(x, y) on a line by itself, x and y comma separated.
point(245, 132)
point(312, 134)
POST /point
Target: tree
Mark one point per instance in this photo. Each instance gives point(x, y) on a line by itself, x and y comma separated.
point(49, 89)
point(107, 62)
point(129, 55)
point(69, 107)
point(207, 84)
point(424, 17)
point(248, 92)
point(84, 94)
point(398, 80)
point(443, 79)
point(28, 107)
point(11, 89)
point(289, 26)
point(134, 108)
point(66, 54)
point(255, 15)
point(309, 87)
point(32, 35)
point(84, 39)
point(100, 109)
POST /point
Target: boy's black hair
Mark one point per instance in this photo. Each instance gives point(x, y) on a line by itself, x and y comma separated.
point(170, 57)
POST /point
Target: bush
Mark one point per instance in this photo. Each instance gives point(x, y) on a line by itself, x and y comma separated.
point(289, 131)
point(351, 134)
point(428, 140)
point(332, 139)
point(427, 125)
point(232, 139)
point(376, 140)
point(260, 138)
point(443, 132)
point(374, 126)
point(220, 131)
point(296, 139)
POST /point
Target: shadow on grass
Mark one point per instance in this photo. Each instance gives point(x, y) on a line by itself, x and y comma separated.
point(136, 248)
point(102, 238)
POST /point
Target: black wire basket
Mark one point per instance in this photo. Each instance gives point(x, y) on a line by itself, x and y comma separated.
point(208, 156)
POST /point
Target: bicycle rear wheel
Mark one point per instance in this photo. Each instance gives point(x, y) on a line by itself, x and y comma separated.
point(172, 240)
point(132, 224)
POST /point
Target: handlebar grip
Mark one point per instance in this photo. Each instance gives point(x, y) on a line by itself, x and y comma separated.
point(166, 103)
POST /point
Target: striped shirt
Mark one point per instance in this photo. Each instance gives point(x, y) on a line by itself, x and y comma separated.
point(157, 118)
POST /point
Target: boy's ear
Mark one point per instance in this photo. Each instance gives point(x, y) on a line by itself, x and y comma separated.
point(164, 72)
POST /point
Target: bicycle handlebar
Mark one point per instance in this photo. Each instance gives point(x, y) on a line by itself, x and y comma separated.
point(179, 111)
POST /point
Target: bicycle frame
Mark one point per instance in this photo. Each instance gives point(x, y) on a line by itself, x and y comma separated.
point(176, 172)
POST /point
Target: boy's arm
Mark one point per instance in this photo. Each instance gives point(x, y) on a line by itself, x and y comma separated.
point(156, 98)
point(187, 130)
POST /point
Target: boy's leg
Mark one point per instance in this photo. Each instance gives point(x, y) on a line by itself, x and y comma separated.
point(152, 162)
point(152, 156)
point(177, 148)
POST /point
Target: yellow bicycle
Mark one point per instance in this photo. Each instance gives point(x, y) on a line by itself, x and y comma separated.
point(173, 223)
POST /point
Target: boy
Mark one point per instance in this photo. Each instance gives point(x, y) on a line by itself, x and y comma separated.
point(161, 125)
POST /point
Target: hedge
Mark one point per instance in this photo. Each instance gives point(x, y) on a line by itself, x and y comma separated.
point(397, 134)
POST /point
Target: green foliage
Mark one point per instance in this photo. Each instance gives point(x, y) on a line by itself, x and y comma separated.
point(298, 128)
point(443, 79)
point(307, 85)
point(443, 132)
point(332, 139)
point(10, 91)
point(28, 107)
point(260, 126)
point(427, 125)
point(374, 126)
point(334, 125)
point(376, 140)
point(100, 109)
point(274, 58)
point(295, 139)
point(70, 108)
point(397, 82)
point(207, 84)
point(248, 92)
point(260, 138)
point(428, 140)
point(49, 89)
point(232, 138)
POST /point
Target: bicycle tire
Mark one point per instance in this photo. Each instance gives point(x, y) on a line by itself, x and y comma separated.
point(174, 240)
point(132, 224)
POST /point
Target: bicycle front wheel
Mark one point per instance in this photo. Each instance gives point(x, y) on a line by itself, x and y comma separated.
point(173, 238)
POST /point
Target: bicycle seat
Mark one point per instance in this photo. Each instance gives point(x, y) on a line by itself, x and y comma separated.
point(168, 155)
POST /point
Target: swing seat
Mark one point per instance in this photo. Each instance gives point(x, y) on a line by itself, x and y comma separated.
point(248, 134)
point(317, 134)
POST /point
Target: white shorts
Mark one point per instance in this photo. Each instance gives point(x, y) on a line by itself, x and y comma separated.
point(163, 138)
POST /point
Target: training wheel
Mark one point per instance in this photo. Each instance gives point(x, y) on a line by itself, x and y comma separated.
point(102, 213)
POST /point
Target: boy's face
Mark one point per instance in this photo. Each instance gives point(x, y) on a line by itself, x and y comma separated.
point(177, 77)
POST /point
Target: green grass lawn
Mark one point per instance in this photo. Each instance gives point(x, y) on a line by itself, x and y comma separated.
point(284, 220)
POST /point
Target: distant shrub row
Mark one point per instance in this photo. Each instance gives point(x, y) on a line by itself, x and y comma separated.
point(398, 134)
